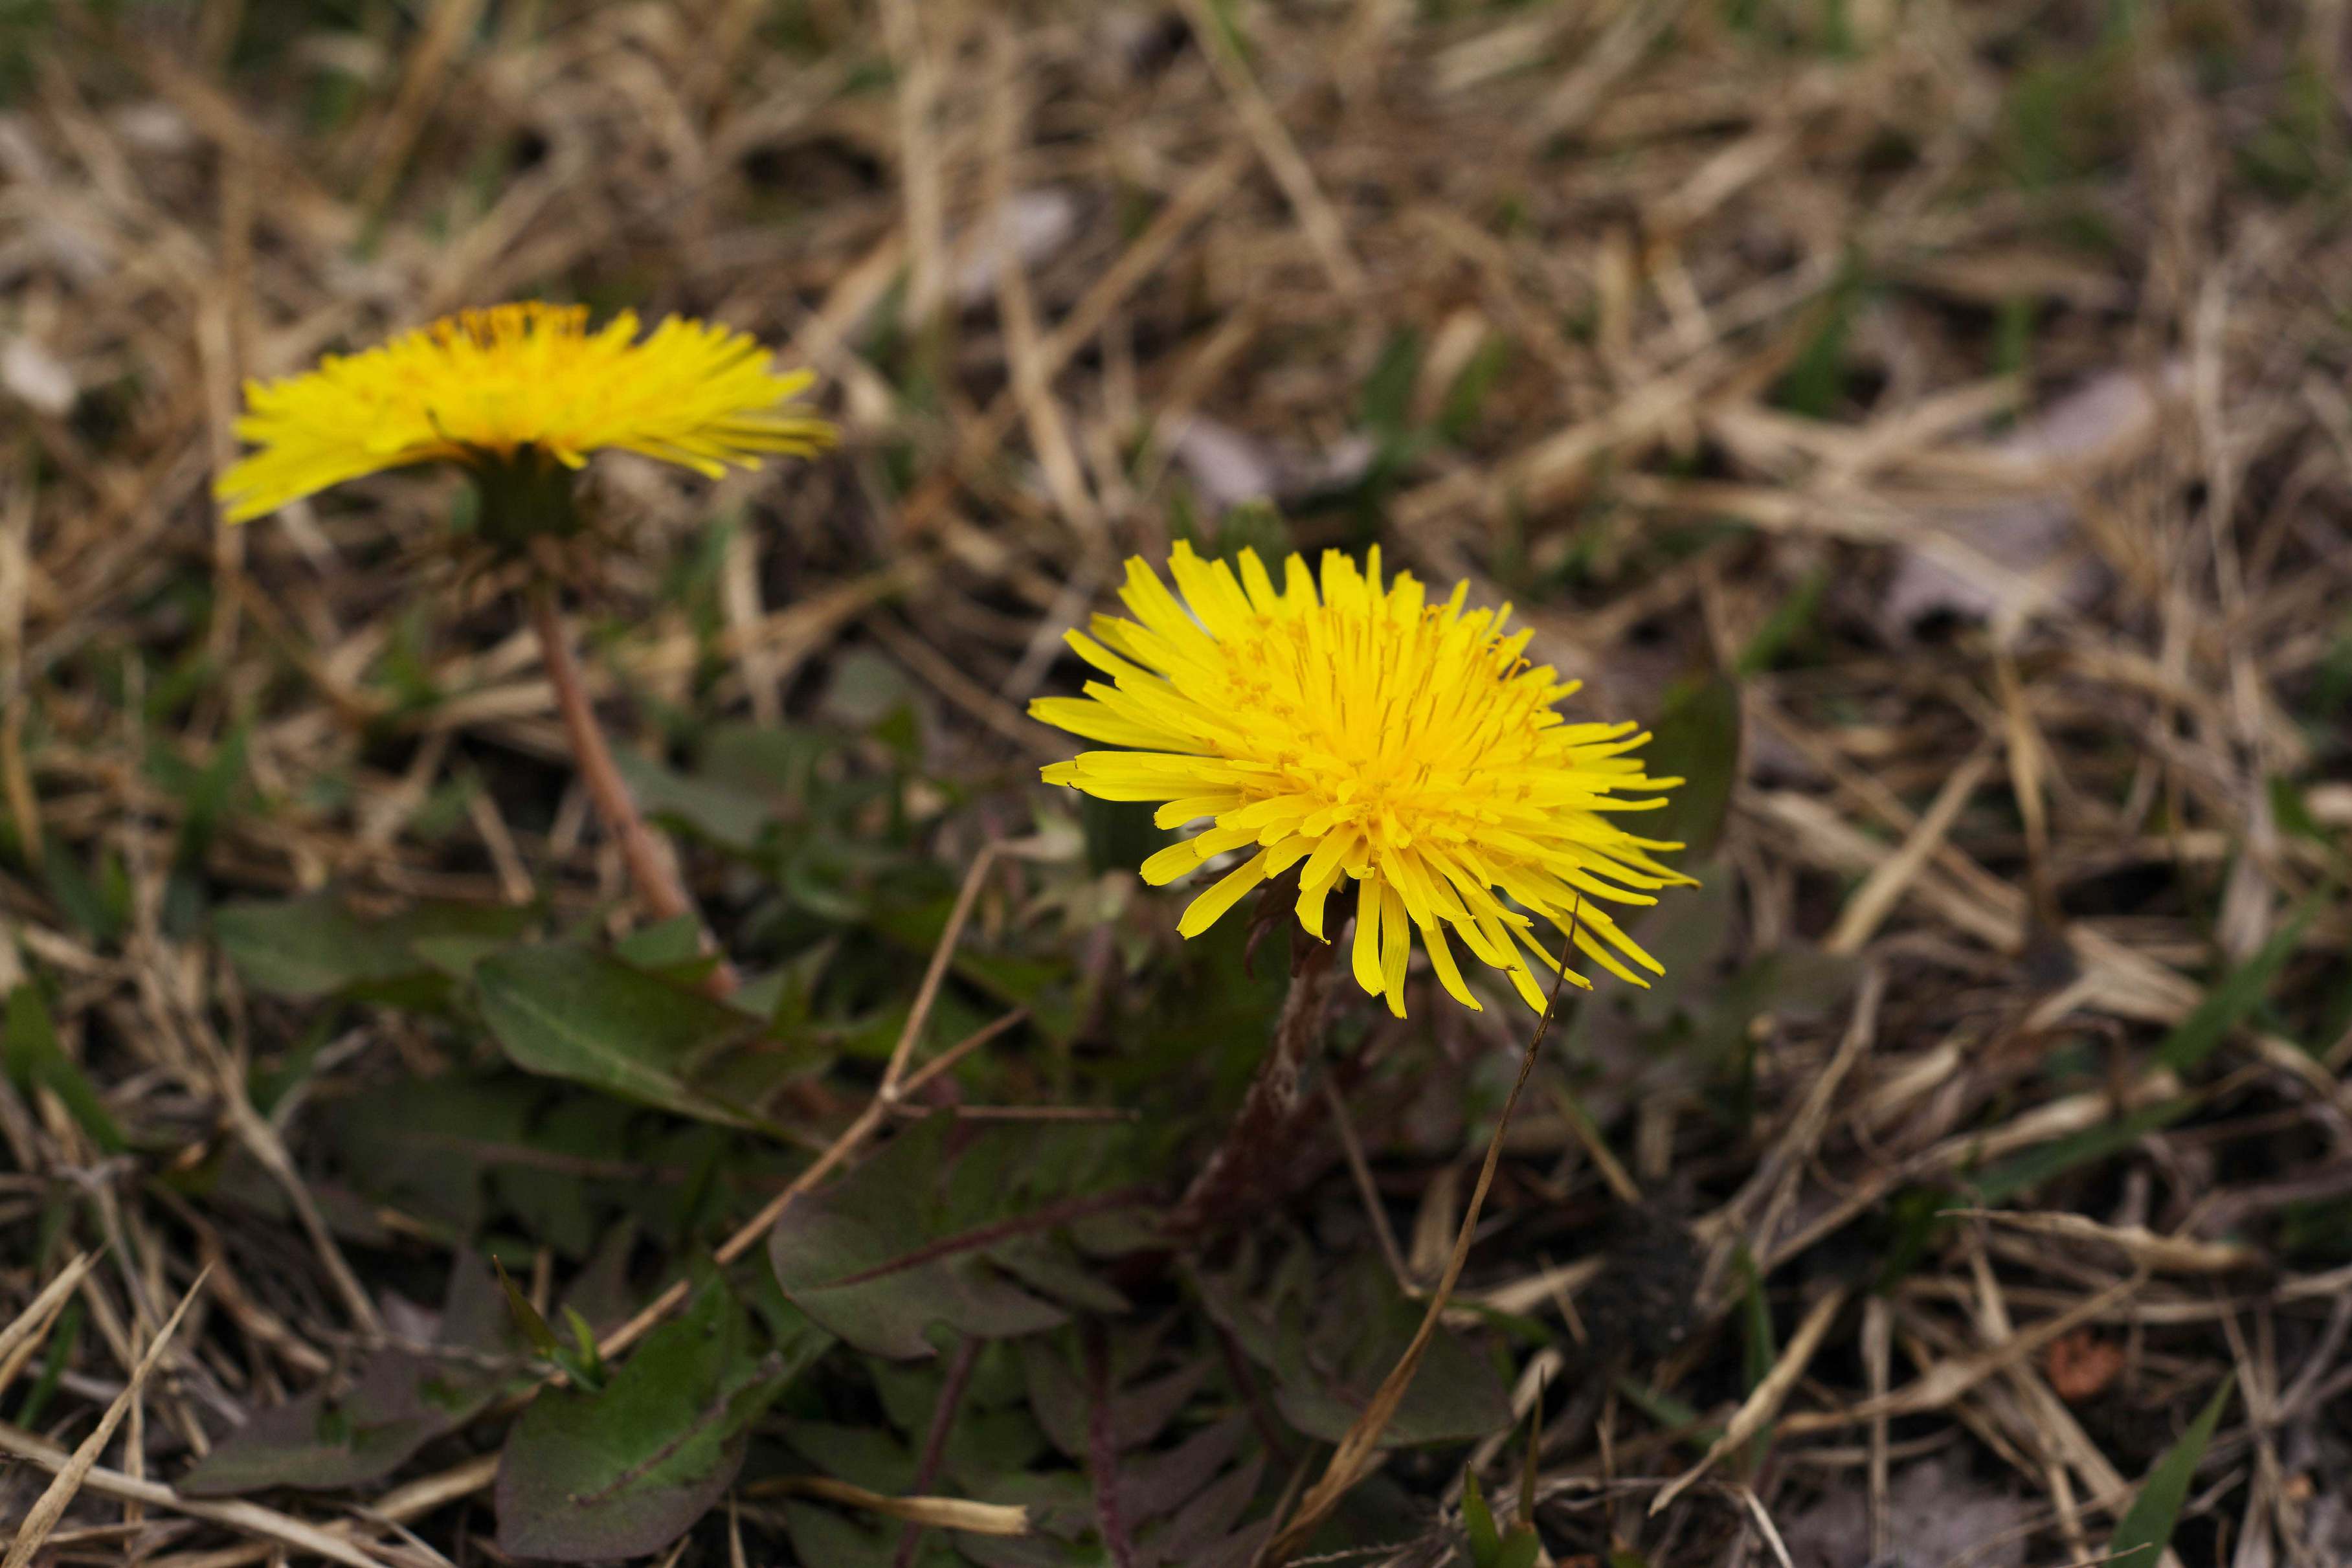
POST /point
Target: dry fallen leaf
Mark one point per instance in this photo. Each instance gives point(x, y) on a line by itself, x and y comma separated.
point(2080, 1365)
point(1229, 468)
point(1941, 1513)
point(2099, 424)
point(1036, 224)
point(37, 376)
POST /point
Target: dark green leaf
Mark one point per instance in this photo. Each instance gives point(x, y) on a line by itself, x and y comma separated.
point(34, 1059)
point(843, 1541)
point(205, 792)
point(1478, 1523)
point(314, 946)
point(1815, 383)
point(2060, 1155)
point(1788, 621)
point(564, 1012)
point(401, 1400)
point(1669, 1412)
point(628, 1469)
point(1763, 1348)
point(1696, 740)
point(525, 1317)
point(1198, 1532)
point(911, 1241)
point(1519, 1550)
point(1120, 834)
point(65, 1335)
point(777, 766)
point(662, 945)
point(1141, 1411)
point(1386, 400)
point(1466, 400)
point(422, 1145)
point(2145, 1528)
point(92, 907)
point(1329, 1342)
point(729, 817)
point(866, 689)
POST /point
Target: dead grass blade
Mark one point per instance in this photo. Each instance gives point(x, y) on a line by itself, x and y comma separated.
point(2156, 1253)
point(1353, 1456)
point(1950, 1379)
point(1001, 1520)
point(1764, 1401)
point(51, 1504)
point(34, 1321)
point(1280, 153)
point(248, 1519)
point(1879, 893)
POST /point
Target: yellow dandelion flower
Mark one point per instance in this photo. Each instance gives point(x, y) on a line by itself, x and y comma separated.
point(481, 387)
point(1374, 736)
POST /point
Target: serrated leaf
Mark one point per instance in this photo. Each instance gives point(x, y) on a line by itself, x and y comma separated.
point(911, 1242)
point(401, 1400)
point(1140, 1411)
point(626, 1470)
point(2145, 1528)
point(1330, 1342)
point(564, 1012)
point(424, 1145)
point(1193, 1535)
point(845, 1541)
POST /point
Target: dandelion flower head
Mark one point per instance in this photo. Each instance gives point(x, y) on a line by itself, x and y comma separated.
point(1362, 733)
point(484, 385)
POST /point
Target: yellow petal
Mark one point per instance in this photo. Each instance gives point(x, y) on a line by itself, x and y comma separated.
point(1366, 959)
point(1166, 865)
point(1227, 891)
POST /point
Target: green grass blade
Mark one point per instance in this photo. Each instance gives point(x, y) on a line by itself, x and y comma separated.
point(2145, 1528)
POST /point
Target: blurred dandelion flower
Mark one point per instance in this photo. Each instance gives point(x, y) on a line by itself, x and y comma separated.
point(1373, 736)
point(522, 380)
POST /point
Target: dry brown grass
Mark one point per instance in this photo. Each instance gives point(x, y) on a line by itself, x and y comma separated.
point(2005, 343)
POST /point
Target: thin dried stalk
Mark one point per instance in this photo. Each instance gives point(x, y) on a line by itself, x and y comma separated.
point(1354, 1457)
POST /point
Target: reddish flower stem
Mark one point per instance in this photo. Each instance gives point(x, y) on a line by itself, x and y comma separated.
point(935, 1446)
point(1236, 1175)
point(1102, 1452)
point(652, 863)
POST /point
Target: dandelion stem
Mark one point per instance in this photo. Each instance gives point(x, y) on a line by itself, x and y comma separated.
point(1236, 1175)
point(653, 865)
